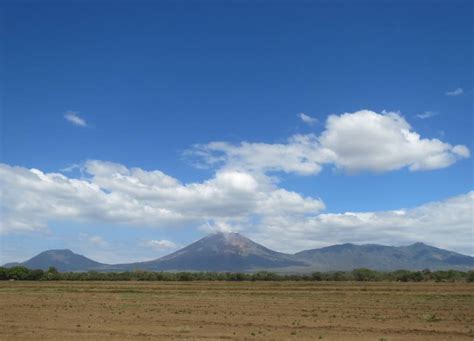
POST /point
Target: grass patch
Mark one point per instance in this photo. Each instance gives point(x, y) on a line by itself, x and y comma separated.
point(431, 318)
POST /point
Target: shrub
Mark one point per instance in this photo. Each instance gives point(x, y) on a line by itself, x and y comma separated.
point(3, 273)
point(470, 276)
point(317, 276)
point(365, 275)
point(18, 273)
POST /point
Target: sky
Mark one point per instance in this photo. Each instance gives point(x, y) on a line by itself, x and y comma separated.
point(131, 129)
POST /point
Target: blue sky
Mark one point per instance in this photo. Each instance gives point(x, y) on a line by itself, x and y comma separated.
point(153, 86)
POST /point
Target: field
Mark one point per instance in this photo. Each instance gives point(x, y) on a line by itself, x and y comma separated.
point(236, 310)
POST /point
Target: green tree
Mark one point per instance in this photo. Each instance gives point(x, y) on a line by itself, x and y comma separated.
point(52, 270)
point(470, 276)
point(35, 275)
point(18, 273)
point(3, 273)
point(365, 274)
point(52, 274)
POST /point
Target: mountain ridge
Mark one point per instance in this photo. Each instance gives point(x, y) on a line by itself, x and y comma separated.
point(63, 260)
point(415, 256)
point(222, 252)
point(233, 252)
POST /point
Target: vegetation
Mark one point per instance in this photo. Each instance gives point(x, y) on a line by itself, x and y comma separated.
point(22, 273)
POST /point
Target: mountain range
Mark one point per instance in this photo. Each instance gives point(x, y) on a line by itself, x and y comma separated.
point(232, 252)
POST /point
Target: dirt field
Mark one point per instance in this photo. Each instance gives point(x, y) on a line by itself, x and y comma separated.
point(236, 311)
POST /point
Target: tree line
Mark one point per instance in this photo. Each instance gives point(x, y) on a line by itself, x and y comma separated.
point(52, 274)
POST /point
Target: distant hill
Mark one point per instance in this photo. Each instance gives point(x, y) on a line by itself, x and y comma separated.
point(221, 252)
point(379, 257)
point(62, 260)
point(232, 252)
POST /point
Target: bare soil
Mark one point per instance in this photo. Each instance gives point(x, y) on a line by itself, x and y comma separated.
point(236, 311)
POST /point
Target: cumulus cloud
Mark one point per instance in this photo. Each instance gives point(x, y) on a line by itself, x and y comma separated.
point(302, 154)
point(307, 119)
point(447, 224)
point(230, 201)
point(359, 141)
point(369, 141)
point(113, 193)
point(243, 196)
point(455, 92)
point(75, 119)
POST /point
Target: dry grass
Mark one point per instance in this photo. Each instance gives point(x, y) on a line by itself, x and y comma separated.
point(240, 311)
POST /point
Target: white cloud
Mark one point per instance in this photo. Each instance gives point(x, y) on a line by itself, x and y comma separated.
point(462, 151)
point(161, 244)
point(241, 196)
point(71, 168)
point(367, 141)
point(219, 226)
point(426, 114)
point(302, 154)
point(30, 198)
point(447, 224)
point(455, 92)
point(359, 141)
point(307, 119)
point(75, 119)
point(230, 201)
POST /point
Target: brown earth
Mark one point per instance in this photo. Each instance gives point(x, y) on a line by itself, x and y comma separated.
point(236, 311)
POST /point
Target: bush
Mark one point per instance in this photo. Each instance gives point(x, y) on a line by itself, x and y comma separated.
point(400, 275)
point(265, 276)
point(18, 273)
point(3, 273)
point(23, 273)
point(184, 276)
point(339, 276)
point(365, 275)
point(35, 275)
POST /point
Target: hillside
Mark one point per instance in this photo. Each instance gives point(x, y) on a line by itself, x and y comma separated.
point(232, 252)
point(221, 252)
point(379, 257)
